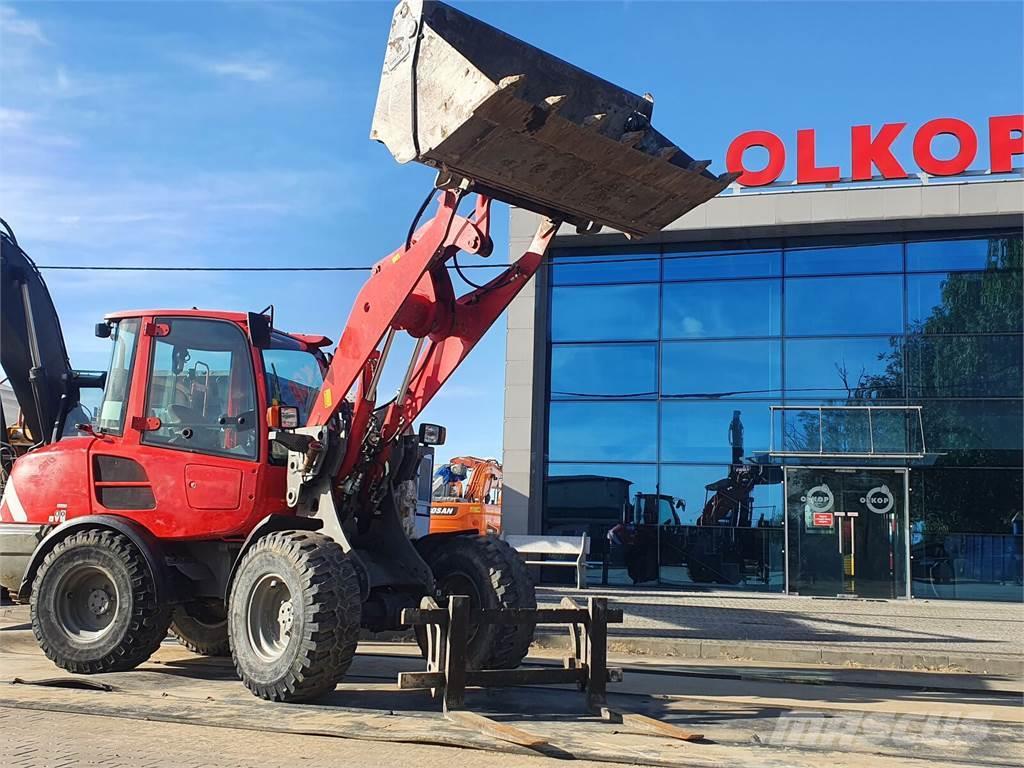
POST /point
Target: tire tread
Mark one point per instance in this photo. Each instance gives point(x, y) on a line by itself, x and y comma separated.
point(332, 606)
point(150, 619)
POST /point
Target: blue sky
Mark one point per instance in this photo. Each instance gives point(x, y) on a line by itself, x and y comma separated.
point(236, 133)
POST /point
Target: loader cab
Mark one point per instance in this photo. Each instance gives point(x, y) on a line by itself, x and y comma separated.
point(182, 440)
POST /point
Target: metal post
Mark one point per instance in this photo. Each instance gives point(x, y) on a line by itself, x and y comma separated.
point(455, 653)
point(597, 652)
point(785, 530)
point(906, 531)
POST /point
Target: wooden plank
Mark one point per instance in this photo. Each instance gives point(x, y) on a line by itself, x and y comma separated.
point(524, 676)
point(503, 731)
point(597, 652)
point(649, 724)
point(493, 678)
point(455, 652)
point(532, 616)
point(510, 616)
point(416, 680)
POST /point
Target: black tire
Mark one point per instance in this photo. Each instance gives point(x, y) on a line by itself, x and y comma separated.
point(294, 615)
point(202, 627)
point(94, 605)
point(494, 576)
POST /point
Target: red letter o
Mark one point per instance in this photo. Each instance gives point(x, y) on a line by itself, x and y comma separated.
point(776, 157)
point(965, 136)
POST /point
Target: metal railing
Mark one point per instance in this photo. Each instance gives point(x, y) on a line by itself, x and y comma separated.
point(872, 452)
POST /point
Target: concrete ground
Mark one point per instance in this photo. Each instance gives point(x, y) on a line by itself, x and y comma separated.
point(182, 710)
point(898, 634)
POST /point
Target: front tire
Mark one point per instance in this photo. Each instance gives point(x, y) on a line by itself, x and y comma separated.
point(94, 605)
point(202, 627)
point(493, 575)
point(294, 615)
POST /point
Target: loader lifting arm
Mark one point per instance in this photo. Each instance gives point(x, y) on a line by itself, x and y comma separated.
point(412, 290)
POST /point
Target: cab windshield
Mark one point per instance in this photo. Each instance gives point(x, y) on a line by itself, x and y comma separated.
point(293, 377)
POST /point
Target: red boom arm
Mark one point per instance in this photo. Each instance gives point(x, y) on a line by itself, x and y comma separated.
point(412, 290)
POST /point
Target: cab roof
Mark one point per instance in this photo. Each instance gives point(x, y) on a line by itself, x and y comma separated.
point(307, 340)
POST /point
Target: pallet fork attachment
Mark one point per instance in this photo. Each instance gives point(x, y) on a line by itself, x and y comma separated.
point(447, 630)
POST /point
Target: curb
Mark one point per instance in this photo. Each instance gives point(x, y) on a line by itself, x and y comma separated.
point(713, 649)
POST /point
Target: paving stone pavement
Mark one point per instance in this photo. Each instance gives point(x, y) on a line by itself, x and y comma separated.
point(873, 626)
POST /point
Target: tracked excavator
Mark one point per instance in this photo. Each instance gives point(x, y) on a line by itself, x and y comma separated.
point(467, 496)
point(251, 488)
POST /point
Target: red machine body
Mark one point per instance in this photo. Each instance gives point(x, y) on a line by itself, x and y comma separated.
point(184, 493)
point(195, 495)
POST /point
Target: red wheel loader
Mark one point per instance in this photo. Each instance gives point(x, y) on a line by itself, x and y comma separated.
point(248, 489)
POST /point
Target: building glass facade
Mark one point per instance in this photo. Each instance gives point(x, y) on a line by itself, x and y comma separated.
point(663, 364)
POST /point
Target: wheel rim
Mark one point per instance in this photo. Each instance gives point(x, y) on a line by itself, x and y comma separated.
point(87, 602)
point(270, 617)
point(459, 583)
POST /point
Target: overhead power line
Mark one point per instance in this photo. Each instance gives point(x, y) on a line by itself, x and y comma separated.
point(128, 268)
point(561, 259)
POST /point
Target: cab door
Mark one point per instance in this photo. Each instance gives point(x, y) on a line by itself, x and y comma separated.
point(190, 447)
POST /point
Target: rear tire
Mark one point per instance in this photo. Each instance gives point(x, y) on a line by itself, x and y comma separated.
point(202, 627)
point(294, 615)
point(494, 576)
point(94, 605)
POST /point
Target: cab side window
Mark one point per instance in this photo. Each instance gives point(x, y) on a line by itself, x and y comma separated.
point(201, 388)
point(110, 416)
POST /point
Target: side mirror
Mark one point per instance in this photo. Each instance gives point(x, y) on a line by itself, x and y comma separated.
point(259, 329)
point(282, 417)
point(102, 330)
point(432, 434)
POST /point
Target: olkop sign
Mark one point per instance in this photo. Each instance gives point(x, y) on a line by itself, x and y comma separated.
point(871, 152)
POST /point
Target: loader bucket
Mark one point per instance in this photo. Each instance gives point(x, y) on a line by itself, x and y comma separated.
point(528, 128)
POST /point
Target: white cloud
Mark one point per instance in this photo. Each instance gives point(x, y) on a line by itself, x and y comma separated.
point(254, 69)
point(14, 120)
point(13, 23)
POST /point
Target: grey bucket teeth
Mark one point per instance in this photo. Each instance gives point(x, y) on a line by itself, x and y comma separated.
point(529, 128)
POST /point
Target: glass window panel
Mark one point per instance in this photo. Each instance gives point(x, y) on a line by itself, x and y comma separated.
point(604, 313)
point(588, 267)
point(965, 366)
point(119, 376)
point(731, 534)
point(700, 431)
point(975, 432)
point(843, 367)
point(965, 538)
point(689, 484)
point(740, 369)
point(603, 370)
point(844, 305)
point(721, 309)
point(702, 266)
point(999, 252)
point(201, 389)
point(581, 496)
point(887, 257)
point(965, 302)
point(595, 499)
point(603, 431)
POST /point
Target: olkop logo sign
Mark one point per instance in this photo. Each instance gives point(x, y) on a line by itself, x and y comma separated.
point(871, 151)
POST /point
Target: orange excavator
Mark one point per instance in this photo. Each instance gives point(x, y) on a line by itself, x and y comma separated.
point(467, 496)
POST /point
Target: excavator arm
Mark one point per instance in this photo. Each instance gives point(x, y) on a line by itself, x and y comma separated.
point(32, 351)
